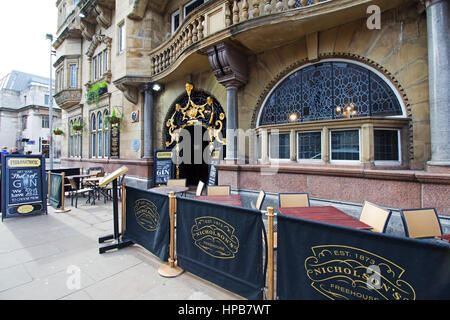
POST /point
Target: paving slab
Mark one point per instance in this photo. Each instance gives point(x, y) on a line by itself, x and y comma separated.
point(55, 256)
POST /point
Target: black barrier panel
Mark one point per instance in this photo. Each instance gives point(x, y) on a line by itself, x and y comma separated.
point(56, 184)
point(222, 244)
point(147, 221)
point(321, 261)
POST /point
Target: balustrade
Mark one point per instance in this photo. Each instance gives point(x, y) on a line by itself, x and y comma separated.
point(216, 16)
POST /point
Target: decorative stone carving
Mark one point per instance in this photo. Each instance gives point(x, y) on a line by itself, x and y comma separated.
point(138, 11)
point(228, 64)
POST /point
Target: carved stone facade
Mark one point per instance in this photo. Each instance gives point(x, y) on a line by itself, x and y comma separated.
point(240, 52)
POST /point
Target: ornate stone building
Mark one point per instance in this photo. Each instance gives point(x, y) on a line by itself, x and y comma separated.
point(348, 99)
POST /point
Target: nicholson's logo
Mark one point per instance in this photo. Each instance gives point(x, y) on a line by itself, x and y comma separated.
point(344, 273)
point(146, 213)
point(215, 237)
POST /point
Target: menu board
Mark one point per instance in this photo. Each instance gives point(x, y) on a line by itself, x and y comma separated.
point(23, 185)
point(162, 167)
point(215, 159)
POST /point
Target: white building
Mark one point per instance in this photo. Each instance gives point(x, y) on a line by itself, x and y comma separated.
point(24, 114)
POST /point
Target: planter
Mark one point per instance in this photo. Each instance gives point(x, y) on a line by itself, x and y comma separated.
point(58, 132)
point(113, 120)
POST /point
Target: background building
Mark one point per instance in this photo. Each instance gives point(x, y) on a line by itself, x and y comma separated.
point(266, 65)
point(24, 110)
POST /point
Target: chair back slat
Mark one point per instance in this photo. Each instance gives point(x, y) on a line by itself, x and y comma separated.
point(260, 200)
point(200, 187)
point(421, 223)
point(294, 200)
point(218, 190)
point(176, 183)
point(375, 217)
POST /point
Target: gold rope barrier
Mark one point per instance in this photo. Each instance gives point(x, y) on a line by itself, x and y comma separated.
point(170, 269)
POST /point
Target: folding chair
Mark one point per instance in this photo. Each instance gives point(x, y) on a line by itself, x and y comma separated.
point(76, 191)
point(421, 223)
point(375, 217)
point(287, 200)
point(218, 190)
point(176, 183)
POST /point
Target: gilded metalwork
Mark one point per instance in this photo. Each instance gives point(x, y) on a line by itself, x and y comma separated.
point(209, 115)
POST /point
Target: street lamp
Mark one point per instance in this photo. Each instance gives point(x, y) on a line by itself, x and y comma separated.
point(50, 102)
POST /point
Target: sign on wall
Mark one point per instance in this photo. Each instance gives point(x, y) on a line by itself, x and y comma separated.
point(115, 142)
point(23, 185)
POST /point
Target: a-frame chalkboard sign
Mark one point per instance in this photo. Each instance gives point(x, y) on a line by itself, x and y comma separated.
point(163, 167)
point(24, 187)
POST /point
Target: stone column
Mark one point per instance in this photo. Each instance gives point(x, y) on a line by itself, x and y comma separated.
point(148, 121)
point(230, 68)
point(438, 26)
point(232, 123)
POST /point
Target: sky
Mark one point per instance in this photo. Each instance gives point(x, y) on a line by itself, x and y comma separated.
point(23, 26)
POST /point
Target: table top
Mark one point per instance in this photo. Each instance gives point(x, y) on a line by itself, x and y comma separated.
point(80, 176)
point(326, 214)
point(167, 190)
point(232, 200)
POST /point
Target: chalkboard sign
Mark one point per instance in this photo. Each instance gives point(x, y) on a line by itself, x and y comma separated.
point(162, 167)
point(54, 196)
point(212, 179)
point(23, 185)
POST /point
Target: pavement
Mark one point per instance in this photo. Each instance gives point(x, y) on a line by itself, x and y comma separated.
point(55, 256)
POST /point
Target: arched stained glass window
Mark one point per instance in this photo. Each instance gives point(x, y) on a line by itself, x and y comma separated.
point(314, 92)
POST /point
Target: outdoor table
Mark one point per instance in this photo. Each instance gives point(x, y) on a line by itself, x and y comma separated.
point(94, 184)
point(326, 214)
point(167, 190)
point(231, 200)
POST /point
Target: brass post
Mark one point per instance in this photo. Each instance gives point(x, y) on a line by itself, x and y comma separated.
point(123, 209)
point(270, 249)
point(170, 269)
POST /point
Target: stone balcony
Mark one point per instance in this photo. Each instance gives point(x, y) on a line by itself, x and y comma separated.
point(252, 25)
point(67, 98)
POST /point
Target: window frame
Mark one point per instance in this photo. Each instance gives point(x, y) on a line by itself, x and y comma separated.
point(172, 21)
point(269, 147)
point(388, 162)
point(330, 148)
point(121, 37)
point(297, 133)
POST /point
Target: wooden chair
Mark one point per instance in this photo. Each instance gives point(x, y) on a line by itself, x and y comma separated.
point(74, 192)
point(421, 223)
point(218, 190)
point(200, 187)
point(375, 217)
point(260, 200)
point(287, 200)
point(176, 183)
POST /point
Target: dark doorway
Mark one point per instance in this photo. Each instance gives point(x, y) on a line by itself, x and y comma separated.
point(196, 169)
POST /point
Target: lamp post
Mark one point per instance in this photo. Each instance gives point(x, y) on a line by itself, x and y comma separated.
point(50, 103)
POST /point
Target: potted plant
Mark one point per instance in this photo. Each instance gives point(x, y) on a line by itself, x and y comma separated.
point(113, 119)
point(77, 126)
point(58, 132)
point(94, 93)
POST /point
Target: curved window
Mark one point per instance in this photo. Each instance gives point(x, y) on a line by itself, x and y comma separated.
point(314, 92)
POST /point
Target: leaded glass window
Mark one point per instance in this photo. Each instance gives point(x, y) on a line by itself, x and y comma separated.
point(309, 145)
point(386, 145)
point(279, 145)
point(314, 92)
point(345, 145)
